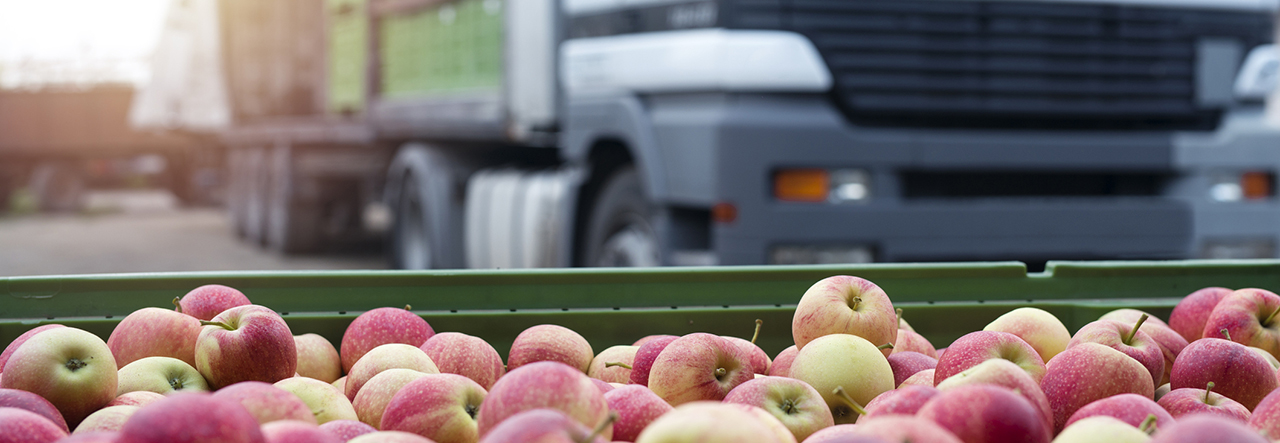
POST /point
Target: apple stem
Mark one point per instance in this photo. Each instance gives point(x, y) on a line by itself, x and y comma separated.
point(1128, 340)
point(721, 372)
point(176, 306)
point(1270, 317)
point(407, 307)
point(1225, 333)
point(853, 304)
point(885, 346)
point(613, 416)
point(616, 363)
point(839, 391)
point(1207, 389)
point(217, 323)
point(1148, 425)
point(75, 364)
point(898, 311)
point(756, 334)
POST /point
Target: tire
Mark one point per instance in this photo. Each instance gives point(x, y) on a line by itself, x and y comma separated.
point(622, 230)
point(411, 237)
point(425, 190)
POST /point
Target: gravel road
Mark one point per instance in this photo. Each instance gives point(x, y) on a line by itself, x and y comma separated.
point(142, 231)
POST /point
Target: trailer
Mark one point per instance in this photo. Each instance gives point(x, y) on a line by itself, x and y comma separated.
point(544, 133)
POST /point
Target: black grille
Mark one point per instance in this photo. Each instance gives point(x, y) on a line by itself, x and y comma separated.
point(1007, 64)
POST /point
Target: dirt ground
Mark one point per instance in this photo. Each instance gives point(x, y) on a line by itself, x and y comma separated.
point(142, 231)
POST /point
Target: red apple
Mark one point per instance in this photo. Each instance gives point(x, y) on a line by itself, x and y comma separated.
point(843, 434)
point(604, 386)
point(267, 402)
point(317, 358)
point(845, 305)
point(1237, 372)
point(162, 375)
point(544, 426)
point(371, 403)
point(1088, 372)
point(1187, 401)
point(906, 364)
point(13, 346)
point(154, 332)
point(1128, 339)
point(206, 302)
point(757, 357)
point(441, 407)
point(905, 400)
point(1200, 428)
point(17, 398)
point(698, 366)
point(390, 437)
point(293, 431)
point(246, 343)
point(550, 343)
point(1248, 316)
point(1129, 408)
point(903, 428)
point(649, 338)
point(781, 366)
point(70, 367)
point(136, 398)
point(465, 355)
point(1004, 373)
point(645, 355)
point(1040, 329)
point(709, 422)
point(1192, 312)
point(977, 347)
point(637, 406)
point(613, 364)
point(987, 413)
point(384, 357)
point(93, 437)
point(844, 361)
point(795, 404)
point(346, 430)
point(23, 426)
point(909, 341)
point(192, 417)
point(379, 327)
point(922, 378)
point(110, 418)
point(544, 384)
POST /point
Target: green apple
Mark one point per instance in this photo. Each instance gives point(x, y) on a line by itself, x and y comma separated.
point(845, 361)
point(1040, 329)
point(326, 402)
point(162, 375)
point(70, 367)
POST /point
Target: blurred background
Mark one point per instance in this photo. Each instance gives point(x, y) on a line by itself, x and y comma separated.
point(200, 135)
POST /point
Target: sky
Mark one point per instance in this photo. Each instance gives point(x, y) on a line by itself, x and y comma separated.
point(77, 40)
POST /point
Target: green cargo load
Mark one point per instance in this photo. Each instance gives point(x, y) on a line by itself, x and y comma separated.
point(451, 48)
point(348, 51)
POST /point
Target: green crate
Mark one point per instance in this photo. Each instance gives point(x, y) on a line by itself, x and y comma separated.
point(348, 22)
point(455, 47)
point(618, 306)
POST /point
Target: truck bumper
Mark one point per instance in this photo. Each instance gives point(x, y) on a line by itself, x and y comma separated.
point(758, 135)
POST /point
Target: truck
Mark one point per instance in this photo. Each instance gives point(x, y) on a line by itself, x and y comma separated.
point(550, 133)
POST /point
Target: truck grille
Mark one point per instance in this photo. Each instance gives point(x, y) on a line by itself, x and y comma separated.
point(1004, 64)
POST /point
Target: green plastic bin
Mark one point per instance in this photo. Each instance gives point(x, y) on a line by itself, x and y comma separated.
point(618, 306)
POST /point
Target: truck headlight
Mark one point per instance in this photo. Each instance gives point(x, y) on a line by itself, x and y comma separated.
point(813, 185)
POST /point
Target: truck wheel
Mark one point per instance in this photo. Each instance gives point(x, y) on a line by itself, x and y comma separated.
point(293, 219)
point(621, 229)
point(425, 189)
point(58, 186)
point(411, 238)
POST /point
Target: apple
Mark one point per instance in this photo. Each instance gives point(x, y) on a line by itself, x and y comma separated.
point(389, 437)
point(1040, 329)
point(293, 431)
point(922, 378)
point(604, 386)
point(637, 406)
point(110, 418)
point(70, 367)
point(1132, 409)
point(544, 384)
point(161, 375)
point(326, 402)
point(206, 302)
point(545, 426)
point(441, 407)
point(13, 346)
point(845, 305)
point(346, 430)
point(245, 343)
point(317, 358)
point(1128, 339)
point(759, 360)
point(1101, 428)
point(904, 400)
point(979, 346)
point(267, 402)
point(1192, 312)
point(906, 364)
point(1199, 428)
point(649, 338)
point(645, 355)
point(23, 426)
point(781, 366)
point(847, 361)
point(798, 406)
point(16, 398)
point(903, 428)
point(550, 343)
point(1162, 390)
point(698, 366)
point(1238, 373)
point(1186, 401)
point(987, 413)
point(341, 384)
point(1171, 343)
point(1248, 317)
point(613, 364)
point(1088, 372)
point(842, 434)
point(709, 422)
point(192, 417)
point(1265, 417)
point(379, 327)
point(93, 437)
point(384, 357)
point(1004, 373)
point(909, 341)
point(154, 332)
point(465, 355)
point(136, 398)
point(371, 403)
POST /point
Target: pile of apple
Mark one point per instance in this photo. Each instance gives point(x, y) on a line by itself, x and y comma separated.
point(220, 369)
